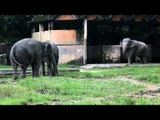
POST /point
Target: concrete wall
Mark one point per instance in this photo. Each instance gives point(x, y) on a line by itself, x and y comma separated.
point(71, 54)
point(35, 35)
point(59, 36)
point(66, 17)
point(64, 36)
point(112, 53)
point(104, 54)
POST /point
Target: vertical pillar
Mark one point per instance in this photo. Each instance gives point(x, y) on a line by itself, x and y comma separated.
point(85, 43)
point(49, 31)
point(40, 31)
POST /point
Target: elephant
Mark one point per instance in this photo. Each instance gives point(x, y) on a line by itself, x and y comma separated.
point(54, 62)
point(29, 51)
point(135, 48)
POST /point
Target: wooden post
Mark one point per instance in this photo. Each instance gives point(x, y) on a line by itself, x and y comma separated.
point(49, 31)
point(85, 43)
point(32, 31)
point(40, 31)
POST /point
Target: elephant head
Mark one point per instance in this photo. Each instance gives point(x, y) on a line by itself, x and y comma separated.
point(46, 49)
point(127, 44)
point(49, 58)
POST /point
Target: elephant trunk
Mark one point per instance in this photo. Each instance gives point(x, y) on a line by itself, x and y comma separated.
point(54, 65)
point(50, 70)
point(124, 49)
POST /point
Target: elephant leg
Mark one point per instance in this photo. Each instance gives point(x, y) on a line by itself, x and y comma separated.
point(36, 67)
point(145, 59)
point(129, 59)
point(43, 68)
point(35, 70)
point(15, 66)
point(50, 71)
point(54, 65)
point(56, 70)
point(24, 68)
point(137, 59)
point(33, 74)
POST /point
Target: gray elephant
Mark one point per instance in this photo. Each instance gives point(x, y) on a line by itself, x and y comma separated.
point(134, 48)
point(54, 61)
point(27, 52)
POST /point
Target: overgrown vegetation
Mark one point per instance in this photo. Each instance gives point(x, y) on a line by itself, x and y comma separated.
point(14, 27)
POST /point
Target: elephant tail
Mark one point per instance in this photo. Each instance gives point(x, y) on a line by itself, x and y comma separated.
point(13, 58)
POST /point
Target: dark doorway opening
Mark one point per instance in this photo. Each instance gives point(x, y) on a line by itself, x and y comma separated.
point(104, 36)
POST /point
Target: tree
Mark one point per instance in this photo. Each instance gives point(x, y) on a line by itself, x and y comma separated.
point(14, 27)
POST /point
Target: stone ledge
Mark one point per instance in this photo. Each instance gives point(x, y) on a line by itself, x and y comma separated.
point(10, 72)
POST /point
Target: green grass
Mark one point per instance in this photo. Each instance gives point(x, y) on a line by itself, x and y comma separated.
point(96, 86)
point(67, 66)
point(141, 73)
point(5, 66)
point(125, 100)
point(44, 90)
point(78, 87)
point(27, 98)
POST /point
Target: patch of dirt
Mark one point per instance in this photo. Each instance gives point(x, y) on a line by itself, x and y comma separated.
point(151, 90)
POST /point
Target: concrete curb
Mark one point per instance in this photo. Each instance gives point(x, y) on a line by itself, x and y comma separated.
point(10, 71)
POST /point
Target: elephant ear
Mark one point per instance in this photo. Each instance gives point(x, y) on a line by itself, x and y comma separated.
point(46, 48)
point(132, 44)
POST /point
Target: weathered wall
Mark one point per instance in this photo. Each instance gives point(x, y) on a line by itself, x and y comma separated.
point(111, 53)
point(104, 54)
point(65, 17)
point(35, 35)
point(64, 36)
point(71, 54)
point(59, 36)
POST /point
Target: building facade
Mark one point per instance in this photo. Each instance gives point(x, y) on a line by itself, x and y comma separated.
point(84, 39)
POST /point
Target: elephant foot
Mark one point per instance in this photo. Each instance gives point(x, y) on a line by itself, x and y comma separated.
point(129, 64)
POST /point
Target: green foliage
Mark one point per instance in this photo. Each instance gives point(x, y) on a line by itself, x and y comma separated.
point(67, 66)
point(14, 27)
